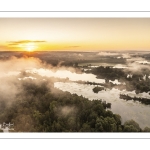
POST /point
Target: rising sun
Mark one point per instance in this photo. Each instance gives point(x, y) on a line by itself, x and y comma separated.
point(30, 46)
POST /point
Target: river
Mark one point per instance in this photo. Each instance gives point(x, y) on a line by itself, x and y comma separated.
point(126, 109)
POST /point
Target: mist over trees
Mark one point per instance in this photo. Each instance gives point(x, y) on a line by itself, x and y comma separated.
point(43, 108)
point(36, 106)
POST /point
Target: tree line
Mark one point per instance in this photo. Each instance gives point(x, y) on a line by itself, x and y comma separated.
point(136, 82)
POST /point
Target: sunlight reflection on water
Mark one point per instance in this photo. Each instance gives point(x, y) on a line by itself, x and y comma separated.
point(67, 74)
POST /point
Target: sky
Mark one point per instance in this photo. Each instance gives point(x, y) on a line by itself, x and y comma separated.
point(74, 34)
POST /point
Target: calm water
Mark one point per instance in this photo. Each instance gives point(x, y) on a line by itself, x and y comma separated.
point(127, 109)
point(67, 74)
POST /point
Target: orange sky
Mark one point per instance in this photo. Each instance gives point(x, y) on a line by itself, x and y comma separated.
point(85, 34)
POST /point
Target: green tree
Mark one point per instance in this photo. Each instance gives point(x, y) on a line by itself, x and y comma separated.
point(146, 129)
point(85, 128)
point(131, 126)
point(99, 125)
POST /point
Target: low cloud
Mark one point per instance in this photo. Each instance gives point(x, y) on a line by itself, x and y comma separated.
point(9, 71)
point(127, 55)
point(17, 64)
point(74, 46)
point(14, 70)
point(66, 110)
point(136, 68)
point(134, 59)
point(16, 43)
point(107, 54)
point(80, 55)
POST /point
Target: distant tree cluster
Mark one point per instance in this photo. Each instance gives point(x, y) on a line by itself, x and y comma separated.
point(136, 83)
point(97, 89)
point(145, 101)
point(108, 72)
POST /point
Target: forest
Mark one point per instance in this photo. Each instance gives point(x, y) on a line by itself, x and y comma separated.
point(43, 108)
point(137, 82)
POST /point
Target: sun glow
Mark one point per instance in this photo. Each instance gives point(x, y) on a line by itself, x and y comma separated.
point(28, 46)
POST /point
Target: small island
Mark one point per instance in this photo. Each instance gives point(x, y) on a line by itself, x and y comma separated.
point(97, 89)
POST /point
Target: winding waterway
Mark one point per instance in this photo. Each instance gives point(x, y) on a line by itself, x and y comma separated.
point(127, 109)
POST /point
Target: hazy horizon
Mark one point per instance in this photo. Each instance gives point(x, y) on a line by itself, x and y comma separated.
point(74, 34)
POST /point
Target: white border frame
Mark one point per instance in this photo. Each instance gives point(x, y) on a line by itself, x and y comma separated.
point(72, 14)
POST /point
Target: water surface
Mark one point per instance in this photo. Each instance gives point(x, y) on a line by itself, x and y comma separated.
point(127, 109)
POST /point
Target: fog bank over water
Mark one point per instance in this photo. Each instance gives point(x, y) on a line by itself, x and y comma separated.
point(67, 74)
point(14, 66)
point(15, 70)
